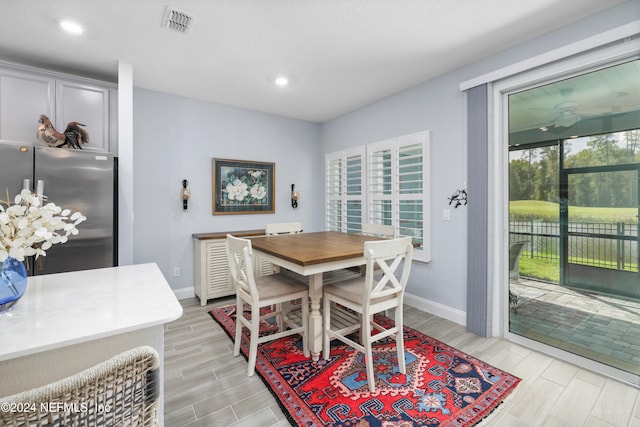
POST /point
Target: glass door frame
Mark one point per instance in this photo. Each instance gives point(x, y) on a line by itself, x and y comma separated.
point(498, 229)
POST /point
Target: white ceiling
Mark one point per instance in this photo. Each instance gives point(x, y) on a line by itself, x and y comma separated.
point(339, 54)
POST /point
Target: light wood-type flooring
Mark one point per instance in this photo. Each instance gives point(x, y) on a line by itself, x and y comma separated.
point(205, 385)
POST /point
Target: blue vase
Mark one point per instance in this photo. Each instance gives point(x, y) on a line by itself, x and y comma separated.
point(13, 282)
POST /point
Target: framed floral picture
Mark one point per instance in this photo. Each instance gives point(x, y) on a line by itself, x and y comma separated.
point(243, 187)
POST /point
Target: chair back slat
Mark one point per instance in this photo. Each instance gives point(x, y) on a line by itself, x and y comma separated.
point(387, 256)
point(380, 230)
point(240, 259)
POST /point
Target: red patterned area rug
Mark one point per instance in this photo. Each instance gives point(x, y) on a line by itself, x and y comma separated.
point(442, 387)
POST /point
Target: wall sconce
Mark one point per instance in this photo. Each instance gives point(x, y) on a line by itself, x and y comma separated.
point(185, 192)
point(294, 196)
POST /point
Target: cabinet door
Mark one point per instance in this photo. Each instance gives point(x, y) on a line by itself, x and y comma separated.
point(218, 278)
point(87, 104)
point(23, 98)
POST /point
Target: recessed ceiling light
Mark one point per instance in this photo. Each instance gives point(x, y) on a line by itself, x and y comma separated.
point(72, 27)
point(281, 81)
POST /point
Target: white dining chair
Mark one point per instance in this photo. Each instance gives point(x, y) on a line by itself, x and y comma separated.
point(377, 230)
point(368, 296)
point(121, 391)
point(380, 230)
point(275, 229)
point(264, 291)
point(283, 228)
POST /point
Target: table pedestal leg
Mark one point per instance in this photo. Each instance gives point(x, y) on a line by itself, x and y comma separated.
point(315, 316)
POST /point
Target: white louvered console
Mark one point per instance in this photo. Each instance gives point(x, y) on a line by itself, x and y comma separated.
point(211, 274)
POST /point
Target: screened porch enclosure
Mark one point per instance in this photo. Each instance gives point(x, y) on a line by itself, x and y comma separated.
point(574, 171)
point(591, 242)
point(602, 256)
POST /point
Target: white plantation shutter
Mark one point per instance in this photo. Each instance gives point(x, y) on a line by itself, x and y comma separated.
point(397, 173)
point(345, 190)
point(387, 186)
point(333, 188)
point(354, 190)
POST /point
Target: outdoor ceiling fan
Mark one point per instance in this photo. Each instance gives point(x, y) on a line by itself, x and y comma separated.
point(565, 114)
point(597, 97)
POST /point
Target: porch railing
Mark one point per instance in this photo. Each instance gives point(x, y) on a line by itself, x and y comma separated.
point(606, 245)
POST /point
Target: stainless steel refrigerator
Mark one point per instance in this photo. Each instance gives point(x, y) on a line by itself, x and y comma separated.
point(81, 180)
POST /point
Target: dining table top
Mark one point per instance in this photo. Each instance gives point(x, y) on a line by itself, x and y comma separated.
point(313, 248)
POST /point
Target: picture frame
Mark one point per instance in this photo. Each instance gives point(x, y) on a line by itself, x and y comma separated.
point(243, 187)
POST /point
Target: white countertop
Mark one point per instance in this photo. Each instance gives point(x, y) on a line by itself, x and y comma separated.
point(58, 310)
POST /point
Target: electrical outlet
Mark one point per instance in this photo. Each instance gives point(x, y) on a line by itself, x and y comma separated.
point(446, 214)
point(176, 272)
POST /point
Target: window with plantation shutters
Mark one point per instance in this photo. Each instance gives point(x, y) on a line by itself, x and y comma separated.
point(383, 183)
point(345, 190)
point(397, 193)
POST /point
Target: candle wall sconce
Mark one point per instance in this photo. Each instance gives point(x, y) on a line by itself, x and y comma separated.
point(185, 192)
point(294, 196)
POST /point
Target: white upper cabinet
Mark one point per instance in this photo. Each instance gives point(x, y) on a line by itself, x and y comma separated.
point(27, 93)
point(23, 98)
point(86, 104)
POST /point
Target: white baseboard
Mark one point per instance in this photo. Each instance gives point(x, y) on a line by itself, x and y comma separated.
point(184, 293)
point(446, 312)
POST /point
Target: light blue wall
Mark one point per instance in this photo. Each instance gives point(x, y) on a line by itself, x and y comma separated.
point(176, 138)
point(438, 106)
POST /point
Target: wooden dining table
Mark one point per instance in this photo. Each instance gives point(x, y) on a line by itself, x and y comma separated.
point(312, 254)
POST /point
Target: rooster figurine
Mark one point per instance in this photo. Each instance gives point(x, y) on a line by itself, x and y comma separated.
point(74, 136)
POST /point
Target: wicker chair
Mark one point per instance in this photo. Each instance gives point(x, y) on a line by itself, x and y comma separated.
point(122, 391)
point(515, 250)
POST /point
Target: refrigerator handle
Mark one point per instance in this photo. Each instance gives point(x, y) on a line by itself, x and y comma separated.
point(40, 190)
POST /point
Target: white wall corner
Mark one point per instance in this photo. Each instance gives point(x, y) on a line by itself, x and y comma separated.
point(125, 164)
point(184, 293)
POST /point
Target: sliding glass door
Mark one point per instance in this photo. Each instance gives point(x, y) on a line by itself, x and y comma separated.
point(574, 168)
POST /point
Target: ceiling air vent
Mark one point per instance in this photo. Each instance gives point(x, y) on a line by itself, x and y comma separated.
point(177, 21)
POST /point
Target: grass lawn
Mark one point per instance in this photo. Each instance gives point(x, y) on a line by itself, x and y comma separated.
point(540, 268)
point(549, 269)
point(524, 210)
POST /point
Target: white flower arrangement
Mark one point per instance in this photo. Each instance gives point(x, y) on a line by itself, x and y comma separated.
point(29, 228)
